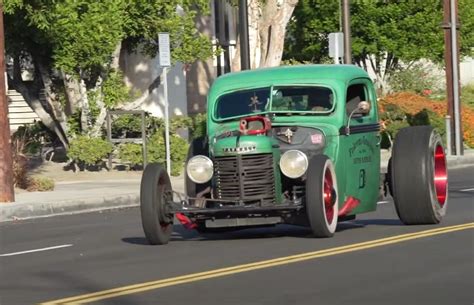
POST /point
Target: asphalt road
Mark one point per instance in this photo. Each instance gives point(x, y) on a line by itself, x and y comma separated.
point(88, 253)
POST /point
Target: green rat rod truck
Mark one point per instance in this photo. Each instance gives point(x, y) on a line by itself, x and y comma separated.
point(297, 145)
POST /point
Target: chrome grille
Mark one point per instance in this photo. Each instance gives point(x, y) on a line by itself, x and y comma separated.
point(249, 178)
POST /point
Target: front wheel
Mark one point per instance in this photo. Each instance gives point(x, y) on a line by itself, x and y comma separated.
point(321, 196)
point(155, 190)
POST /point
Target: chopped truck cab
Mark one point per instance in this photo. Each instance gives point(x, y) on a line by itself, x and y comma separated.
point(297, 145)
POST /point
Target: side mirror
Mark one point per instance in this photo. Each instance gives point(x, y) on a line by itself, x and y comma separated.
point(362, 108)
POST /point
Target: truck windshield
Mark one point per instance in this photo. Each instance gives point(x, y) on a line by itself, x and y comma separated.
point(243, 103)
point(276, 99)
point(302, 99)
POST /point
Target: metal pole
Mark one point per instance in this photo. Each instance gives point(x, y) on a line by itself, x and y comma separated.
point(244, 36)
point(109, 138)
point(220, 33)
point(454, 53)
point(167, 123)
point(448, 135)
point(7, 193)
point(145, 156)
point(449, 70)
point(346, 25)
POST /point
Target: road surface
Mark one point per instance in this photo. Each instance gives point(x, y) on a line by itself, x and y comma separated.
point(373, 260)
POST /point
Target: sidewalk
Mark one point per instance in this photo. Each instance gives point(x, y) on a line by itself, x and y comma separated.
point(103, 193)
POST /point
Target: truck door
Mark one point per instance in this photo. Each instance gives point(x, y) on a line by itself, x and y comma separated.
point(361, 147)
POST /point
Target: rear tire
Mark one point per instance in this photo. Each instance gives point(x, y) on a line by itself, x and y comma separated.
point(419, 176)
point(155, 190)
point(321, 196)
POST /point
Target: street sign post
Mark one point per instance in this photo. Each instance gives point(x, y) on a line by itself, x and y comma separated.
point(164, 49)
point(165, 62)
point(336, 46)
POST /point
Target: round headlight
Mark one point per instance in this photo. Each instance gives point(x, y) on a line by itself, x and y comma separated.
point(293, 164)
point(200, 169)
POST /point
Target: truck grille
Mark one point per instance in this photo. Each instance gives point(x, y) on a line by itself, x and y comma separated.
point(249, 178)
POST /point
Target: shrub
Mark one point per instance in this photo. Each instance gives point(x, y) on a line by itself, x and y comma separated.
point(199, 126)
point(417, 78)
point(32, 137)
point(129, 126)
point(156, 151)
point(40, 184)
point(20, 166)
point(467, 95)
point(427, 117)
point(88, 151)
point(412, 104)
point(131, 153)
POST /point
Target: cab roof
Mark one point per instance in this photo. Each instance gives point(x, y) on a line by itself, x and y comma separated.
point(289, 74)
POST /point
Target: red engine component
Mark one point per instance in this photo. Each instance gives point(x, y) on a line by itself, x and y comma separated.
point(255, 125)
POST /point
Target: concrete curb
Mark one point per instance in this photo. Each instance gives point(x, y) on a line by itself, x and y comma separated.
point(453, 161)
point(19, 211)
point(460, 161)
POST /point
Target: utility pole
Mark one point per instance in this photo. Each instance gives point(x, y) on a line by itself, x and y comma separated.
point(6, 165)
point(451, 58)
point(346, 28)
point(244, 36)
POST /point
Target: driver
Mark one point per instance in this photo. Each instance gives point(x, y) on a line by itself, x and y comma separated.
point(320, 101)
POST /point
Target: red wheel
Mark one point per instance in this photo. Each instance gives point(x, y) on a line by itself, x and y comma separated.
point(440, 175)
point(321, 196)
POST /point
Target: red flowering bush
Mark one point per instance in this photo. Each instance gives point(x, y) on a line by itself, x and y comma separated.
point(412, 105)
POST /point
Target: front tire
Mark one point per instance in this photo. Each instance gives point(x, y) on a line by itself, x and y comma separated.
point(419, 176)
point(155, 190)
point(321, 196)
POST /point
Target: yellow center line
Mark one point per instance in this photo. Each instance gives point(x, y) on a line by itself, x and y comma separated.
point(136, 288)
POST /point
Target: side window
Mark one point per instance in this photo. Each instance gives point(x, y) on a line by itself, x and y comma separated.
point(355, 94)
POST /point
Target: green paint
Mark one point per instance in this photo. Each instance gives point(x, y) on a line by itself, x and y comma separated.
point(356, 156)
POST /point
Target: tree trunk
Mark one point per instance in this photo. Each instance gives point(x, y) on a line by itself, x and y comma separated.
point(30, 94)
point(272, 29)
point(267, 28)
point(52, 100)
point(96, 129)
point(85, 107)
point(71, 86)
point(115, 63)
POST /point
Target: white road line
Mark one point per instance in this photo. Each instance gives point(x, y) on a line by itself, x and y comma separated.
point(467, 190)
point(36, 250)
point(382, 202)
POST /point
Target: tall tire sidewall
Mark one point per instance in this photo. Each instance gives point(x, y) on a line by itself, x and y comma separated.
point(152, 204)
point(315, 208)
point(413, 176)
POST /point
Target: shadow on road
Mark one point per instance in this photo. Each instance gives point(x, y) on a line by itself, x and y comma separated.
point(182, 234)
point(379, 222)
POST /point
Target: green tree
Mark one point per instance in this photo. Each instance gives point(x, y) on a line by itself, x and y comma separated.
point(72, 48)
point(384, 33)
